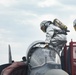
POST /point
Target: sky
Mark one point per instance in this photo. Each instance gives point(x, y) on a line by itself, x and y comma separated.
point(20, 23)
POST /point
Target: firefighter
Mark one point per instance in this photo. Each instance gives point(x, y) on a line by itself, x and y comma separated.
point(55, 34)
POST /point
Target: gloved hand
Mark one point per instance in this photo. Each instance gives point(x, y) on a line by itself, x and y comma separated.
point(46, 45)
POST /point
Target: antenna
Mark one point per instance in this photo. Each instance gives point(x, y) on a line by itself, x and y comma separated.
point(10, 56)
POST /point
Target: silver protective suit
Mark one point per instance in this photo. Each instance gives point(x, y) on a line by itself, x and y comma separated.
point(54, 39)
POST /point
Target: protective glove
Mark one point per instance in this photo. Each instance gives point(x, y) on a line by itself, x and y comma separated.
point(46, 45)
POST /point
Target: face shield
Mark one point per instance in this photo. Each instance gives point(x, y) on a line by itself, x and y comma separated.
point(75, 27)
point(74, 24)
point(43, 28)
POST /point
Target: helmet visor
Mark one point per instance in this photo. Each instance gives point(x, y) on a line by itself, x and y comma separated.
point(75, 27)
point(43, 28)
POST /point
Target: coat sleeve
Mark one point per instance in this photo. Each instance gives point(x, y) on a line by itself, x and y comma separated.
point(49, 34)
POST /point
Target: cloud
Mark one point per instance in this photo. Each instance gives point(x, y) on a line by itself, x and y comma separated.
point(4, 35)
point(48, 3)
point(7, 3)
point(68, 2)
point(47, 17)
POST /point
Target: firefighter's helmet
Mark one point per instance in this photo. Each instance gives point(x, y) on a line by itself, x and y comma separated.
point(44, 24)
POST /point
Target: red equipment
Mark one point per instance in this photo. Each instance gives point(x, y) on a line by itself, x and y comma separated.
point(69, 55)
